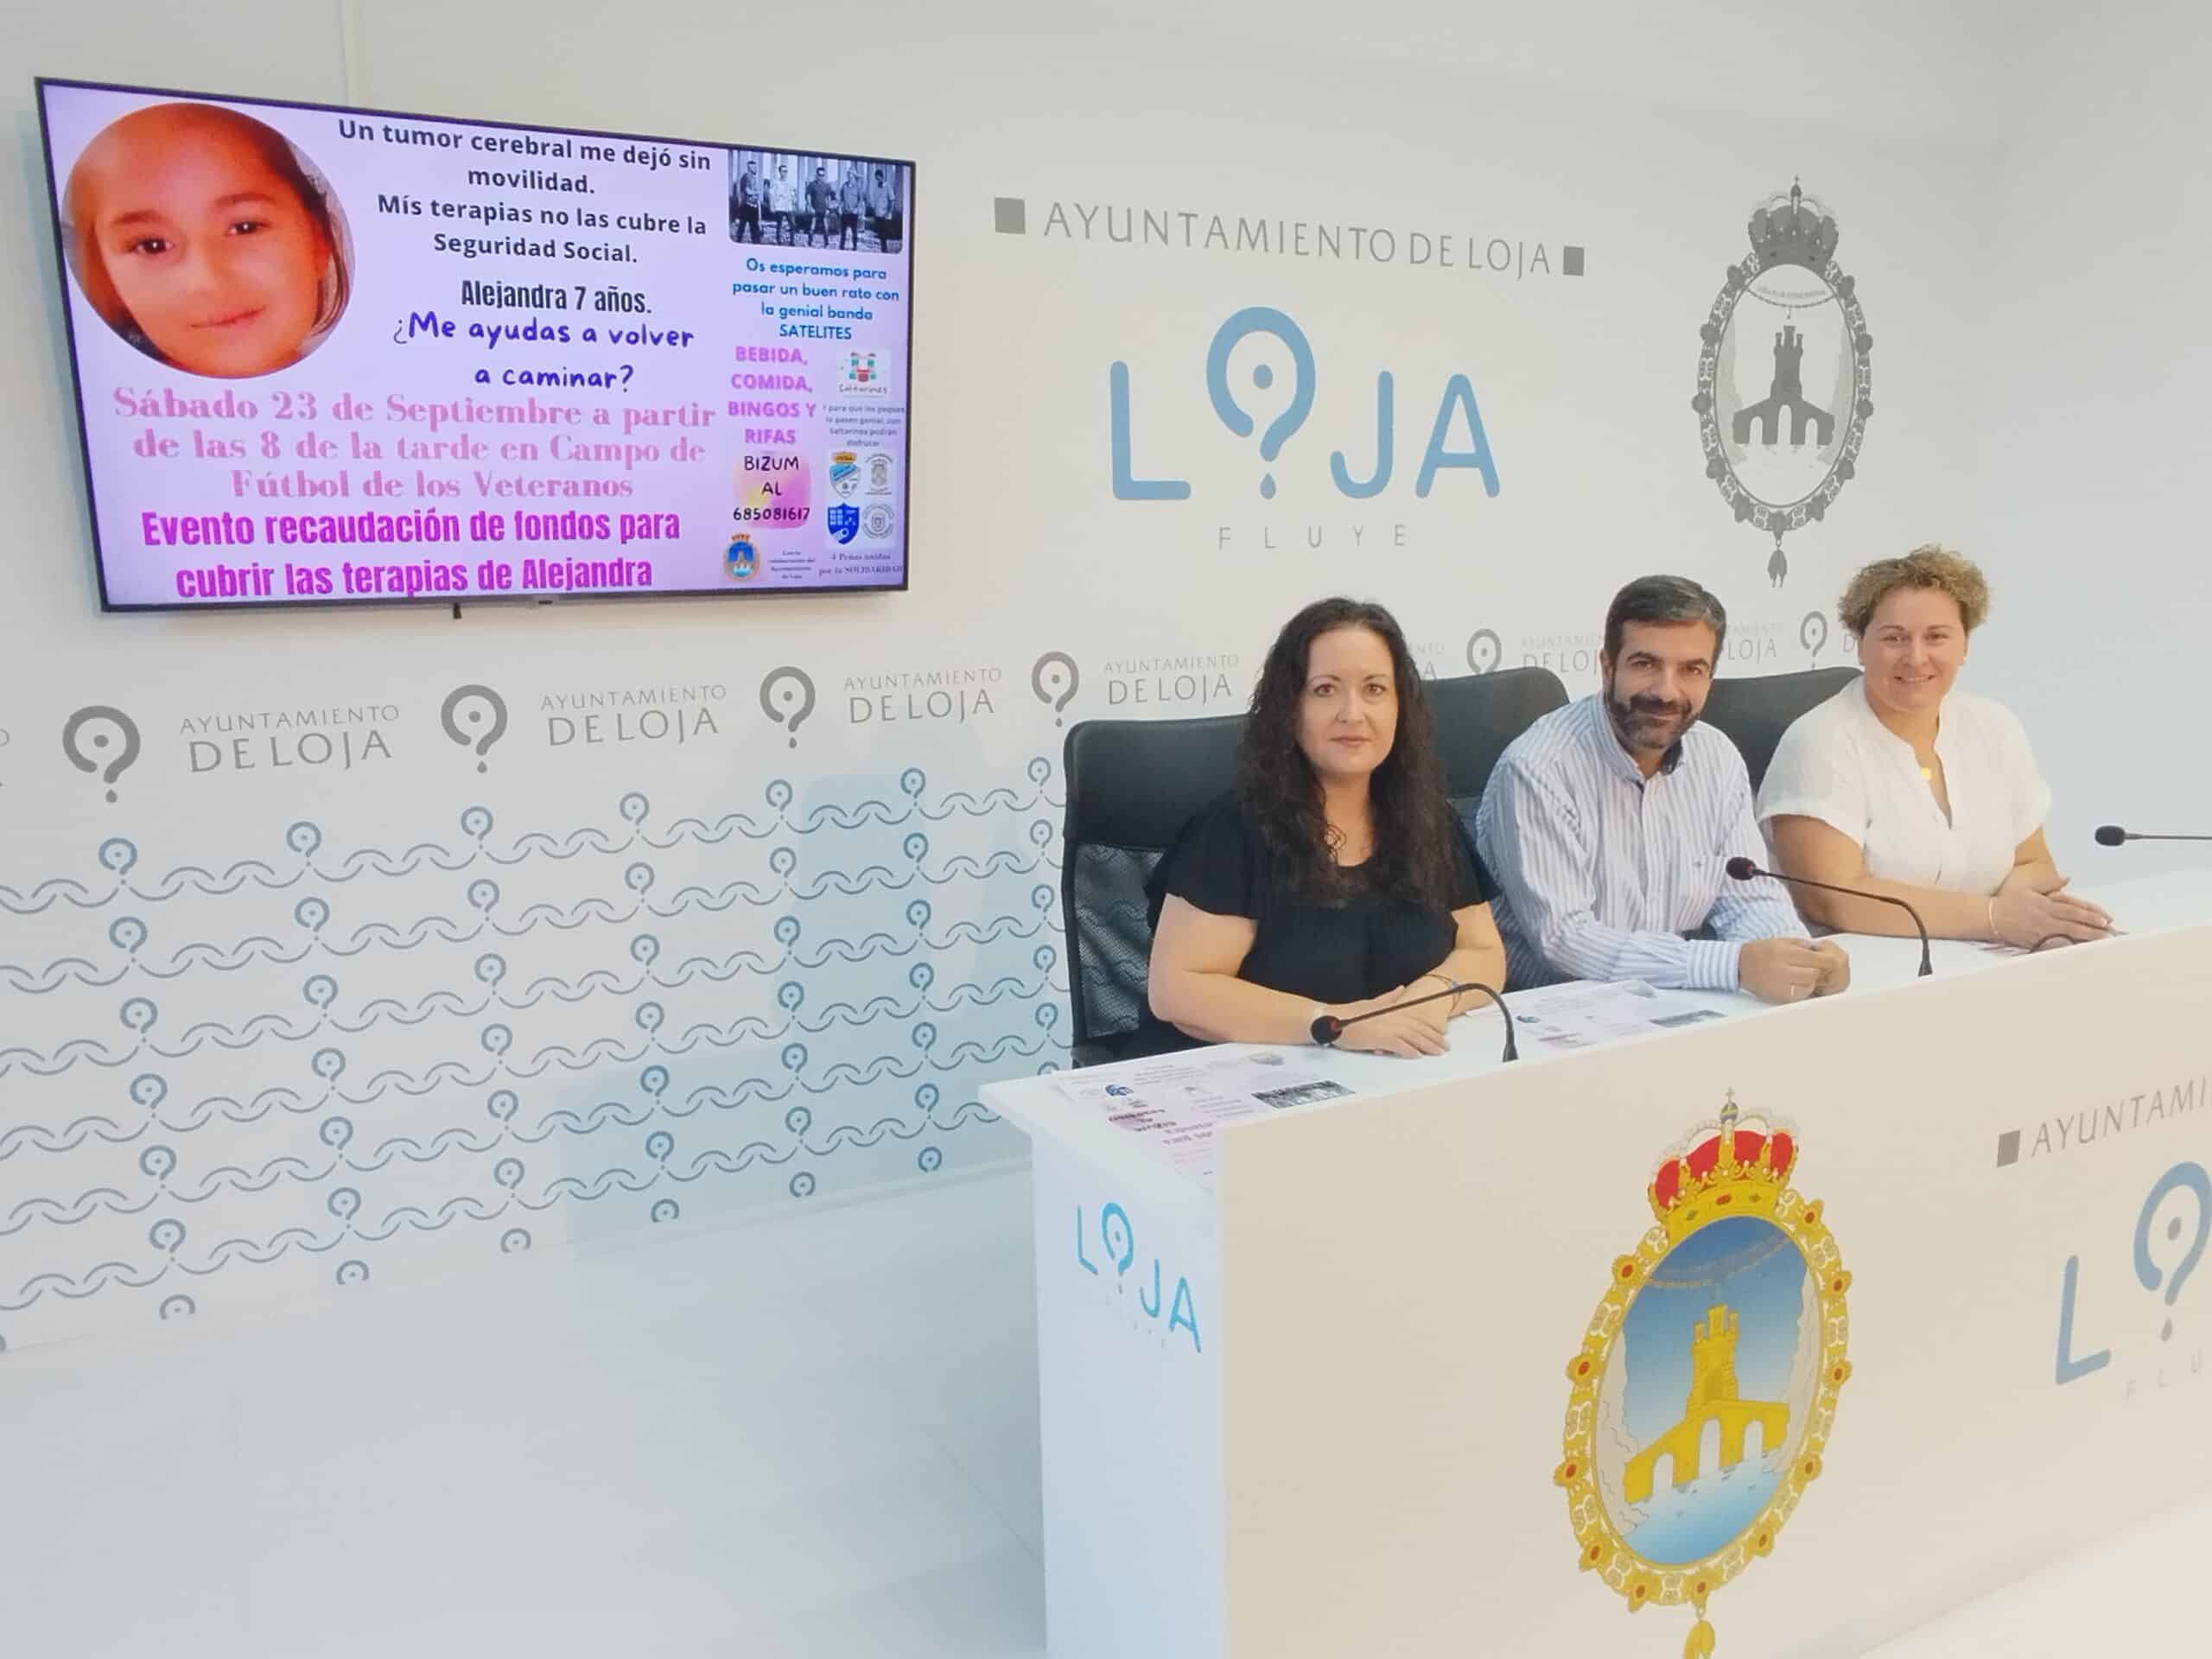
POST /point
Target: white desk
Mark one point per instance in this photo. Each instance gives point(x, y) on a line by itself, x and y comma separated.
point(1319, 1409)
point(2130, 1593)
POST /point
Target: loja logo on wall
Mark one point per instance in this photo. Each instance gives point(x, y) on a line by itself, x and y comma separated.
point(950, 693)
point(1813, 634)
point(332, 737)
point(787, 698)
point(1251, 404)
point(1785, 379)
point(1485, 652)
point(1056, 679)
point(673, 715)
point(1174, 679)
point(474, 716)
point(101, 738)
point(1740, 1288)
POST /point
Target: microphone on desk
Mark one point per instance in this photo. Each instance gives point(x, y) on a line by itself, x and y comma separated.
point(1744, 870)
point(2111, 835)
point(1327, 1028)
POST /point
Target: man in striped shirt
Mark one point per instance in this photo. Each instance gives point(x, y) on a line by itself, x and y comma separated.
point(1609, 823)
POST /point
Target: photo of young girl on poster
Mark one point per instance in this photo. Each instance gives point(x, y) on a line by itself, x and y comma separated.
point(203, 237)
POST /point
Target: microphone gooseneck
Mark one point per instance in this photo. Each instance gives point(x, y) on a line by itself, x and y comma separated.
point(2111, 835)
point(1743, 869)
point(1326, 1028)
point(1512, 1049)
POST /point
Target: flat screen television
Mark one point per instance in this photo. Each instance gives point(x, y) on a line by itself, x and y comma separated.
point(338, 357)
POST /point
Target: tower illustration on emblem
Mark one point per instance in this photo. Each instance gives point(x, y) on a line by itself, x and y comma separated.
point(1705, 1389)
point(1785, 377)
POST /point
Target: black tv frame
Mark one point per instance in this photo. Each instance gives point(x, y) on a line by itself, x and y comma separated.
point(39, 83)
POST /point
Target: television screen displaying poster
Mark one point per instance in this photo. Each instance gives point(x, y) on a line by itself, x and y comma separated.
point(335, 356)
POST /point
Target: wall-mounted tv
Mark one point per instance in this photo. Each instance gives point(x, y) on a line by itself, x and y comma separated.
point(335, 356)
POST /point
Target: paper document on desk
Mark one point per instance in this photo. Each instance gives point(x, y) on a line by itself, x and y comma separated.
point(1178, 1100)
point(1583, 1013)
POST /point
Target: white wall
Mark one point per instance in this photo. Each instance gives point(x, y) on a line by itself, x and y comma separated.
point(1643, 139)
point(2096, 428)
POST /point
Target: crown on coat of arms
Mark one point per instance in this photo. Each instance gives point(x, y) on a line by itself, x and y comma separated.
point(1735, 1165)
point(1792, 230)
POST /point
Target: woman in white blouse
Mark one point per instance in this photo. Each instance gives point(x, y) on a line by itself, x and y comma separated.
point(1901, 785)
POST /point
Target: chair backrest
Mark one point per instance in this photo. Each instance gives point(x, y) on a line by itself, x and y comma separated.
point(1133, 784)
point(1477, 716)
point(1754, 712)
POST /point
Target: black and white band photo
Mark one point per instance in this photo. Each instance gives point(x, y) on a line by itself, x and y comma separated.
point(820, 201)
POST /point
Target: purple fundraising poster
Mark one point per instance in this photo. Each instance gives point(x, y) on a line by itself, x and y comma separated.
point(330, 355)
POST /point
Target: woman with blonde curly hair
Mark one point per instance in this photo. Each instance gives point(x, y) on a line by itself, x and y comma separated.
point(1901, 784)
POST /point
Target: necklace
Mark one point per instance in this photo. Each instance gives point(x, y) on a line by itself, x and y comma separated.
point(1927, 774)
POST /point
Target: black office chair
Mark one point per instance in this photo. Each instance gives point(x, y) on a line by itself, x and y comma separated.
point(1477, 716)
point(1132, 785)
point(1754, 712)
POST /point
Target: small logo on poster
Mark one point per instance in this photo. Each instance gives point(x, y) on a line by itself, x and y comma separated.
point(879, 474)
point(859, 368)
point(844, 522)
point(844, 472)
point(878, 521)
point(740, 561)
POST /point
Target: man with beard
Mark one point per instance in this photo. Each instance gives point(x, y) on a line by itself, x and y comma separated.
point(1608, 826)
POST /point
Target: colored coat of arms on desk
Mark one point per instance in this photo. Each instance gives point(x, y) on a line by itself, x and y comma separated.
point(1707, 1384)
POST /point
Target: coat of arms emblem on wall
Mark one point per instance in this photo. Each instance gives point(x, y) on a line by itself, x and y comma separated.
point(1785, 379)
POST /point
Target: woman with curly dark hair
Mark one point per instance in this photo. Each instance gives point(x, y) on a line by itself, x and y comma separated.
point(1334, 878)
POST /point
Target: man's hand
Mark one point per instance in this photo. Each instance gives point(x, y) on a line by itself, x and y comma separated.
point(1783, 970)
point(1835, 976)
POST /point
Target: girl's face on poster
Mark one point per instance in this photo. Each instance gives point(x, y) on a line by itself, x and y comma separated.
point(214, 256)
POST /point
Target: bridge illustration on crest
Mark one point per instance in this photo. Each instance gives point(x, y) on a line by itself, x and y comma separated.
point(1712, 1399)
point(1786, 394)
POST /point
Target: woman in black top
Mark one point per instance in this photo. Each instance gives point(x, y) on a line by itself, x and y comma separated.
point(1335, 877)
